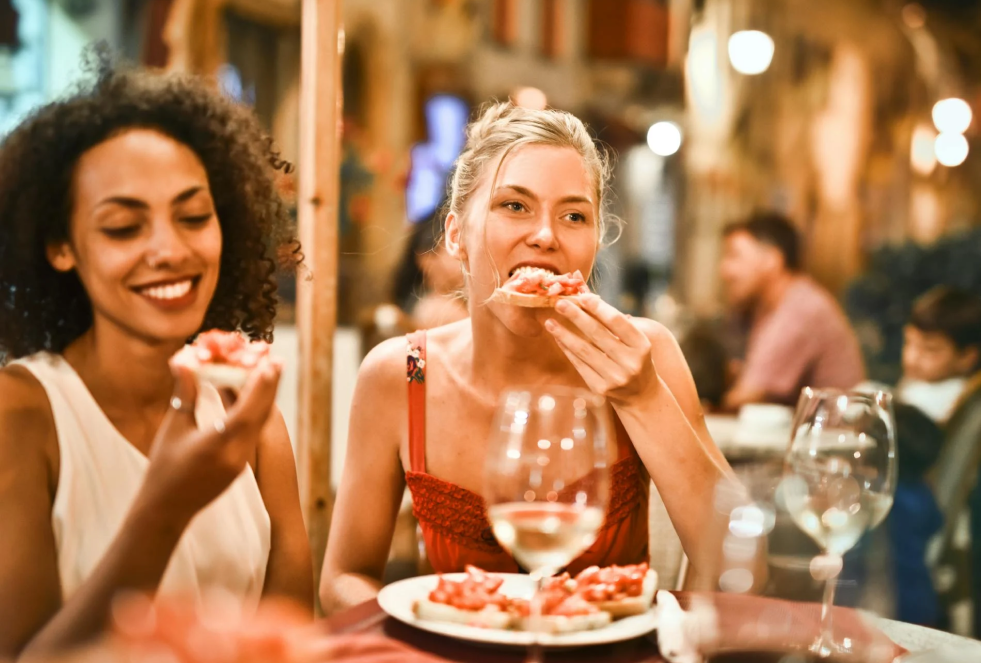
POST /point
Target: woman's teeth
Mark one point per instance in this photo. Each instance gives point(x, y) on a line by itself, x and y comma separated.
point(169, 291)
point(532, 270)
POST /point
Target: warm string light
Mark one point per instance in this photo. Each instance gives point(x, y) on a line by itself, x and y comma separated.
point(751, 51)
point(952, 117)
point(664, 138)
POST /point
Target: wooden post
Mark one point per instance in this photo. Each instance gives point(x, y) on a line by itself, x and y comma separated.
point(319, 188)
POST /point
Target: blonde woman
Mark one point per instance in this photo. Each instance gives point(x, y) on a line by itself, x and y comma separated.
point(528, 189)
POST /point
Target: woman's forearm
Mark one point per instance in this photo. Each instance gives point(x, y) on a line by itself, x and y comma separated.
point(135, 561)
point(345, 590)
point(684, 470)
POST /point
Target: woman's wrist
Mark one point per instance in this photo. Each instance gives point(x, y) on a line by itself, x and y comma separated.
point(643, 402)
point(158, 517)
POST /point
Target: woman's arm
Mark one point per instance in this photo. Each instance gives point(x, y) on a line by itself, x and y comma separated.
point(188, 468)
point(622, 359)
point(31, 606)
point(290, 569)
point(372, 483)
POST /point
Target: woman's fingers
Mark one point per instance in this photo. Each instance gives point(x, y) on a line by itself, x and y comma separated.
point(255, 402)
point(591, 328)
point(582, 349)
point(618, 324)
point(180, 416)
point(593, 379)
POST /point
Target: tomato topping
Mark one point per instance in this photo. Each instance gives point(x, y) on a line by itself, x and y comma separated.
point(477, 591)
point(542, 282)
point(611, 583)
point(220, 347)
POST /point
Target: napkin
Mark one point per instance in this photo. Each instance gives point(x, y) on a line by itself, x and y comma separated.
point(682, 636)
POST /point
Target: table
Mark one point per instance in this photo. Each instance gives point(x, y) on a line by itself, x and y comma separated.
point(368, 618)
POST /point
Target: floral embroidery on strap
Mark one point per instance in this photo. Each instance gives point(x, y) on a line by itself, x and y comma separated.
point(415, 365)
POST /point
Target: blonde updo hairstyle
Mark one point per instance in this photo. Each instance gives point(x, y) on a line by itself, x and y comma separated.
point(502, 127)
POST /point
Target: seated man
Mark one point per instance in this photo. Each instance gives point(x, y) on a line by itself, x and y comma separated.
point(798, 335)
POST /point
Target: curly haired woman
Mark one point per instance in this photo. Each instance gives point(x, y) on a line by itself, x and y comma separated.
point(134, 214)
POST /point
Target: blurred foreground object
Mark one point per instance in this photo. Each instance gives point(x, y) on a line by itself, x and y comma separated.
point(176, 631)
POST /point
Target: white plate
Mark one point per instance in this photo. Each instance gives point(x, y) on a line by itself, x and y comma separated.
point(397, 600)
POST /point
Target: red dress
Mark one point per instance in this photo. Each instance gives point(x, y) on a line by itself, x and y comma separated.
point(454, 520)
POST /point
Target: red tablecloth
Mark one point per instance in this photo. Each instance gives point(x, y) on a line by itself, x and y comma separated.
point(745, 624)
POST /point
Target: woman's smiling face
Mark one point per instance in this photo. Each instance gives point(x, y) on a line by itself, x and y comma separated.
point(144, 238)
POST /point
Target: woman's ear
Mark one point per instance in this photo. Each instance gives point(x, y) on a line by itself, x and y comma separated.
point(61, 256)
point(455, 245)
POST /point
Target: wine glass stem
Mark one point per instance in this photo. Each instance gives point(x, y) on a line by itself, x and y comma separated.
point(535, 653)
point(825, 641)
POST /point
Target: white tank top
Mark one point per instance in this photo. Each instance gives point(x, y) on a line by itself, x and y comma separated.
point(225, 546)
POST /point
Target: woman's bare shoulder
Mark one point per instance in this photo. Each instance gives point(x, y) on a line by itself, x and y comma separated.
point(22, 395)
point(384, 365)
point(25, 414)
point(665, 350)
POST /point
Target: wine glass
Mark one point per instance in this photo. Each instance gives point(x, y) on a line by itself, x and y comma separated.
point(546, 480)
point(839, 481)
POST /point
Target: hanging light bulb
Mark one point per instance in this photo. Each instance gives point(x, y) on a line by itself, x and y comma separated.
point(664, 138)
point(952, 115)
point(951, 149)
point(750, 51)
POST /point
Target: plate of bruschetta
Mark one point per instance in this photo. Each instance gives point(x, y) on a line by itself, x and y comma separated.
point(597, 606)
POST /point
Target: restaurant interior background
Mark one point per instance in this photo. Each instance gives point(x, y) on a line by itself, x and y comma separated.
point(822, 110)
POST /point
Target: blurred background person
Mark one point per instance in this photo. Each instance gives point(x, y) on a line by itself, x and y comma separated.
point(428, 283)
point(797, 334)
point(941, 348)
point(708, 360)
point(915, 517)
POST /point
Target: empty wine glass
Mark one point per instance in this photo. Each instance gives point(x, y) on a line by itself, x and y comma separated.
point(546, 479)
point(839, 481)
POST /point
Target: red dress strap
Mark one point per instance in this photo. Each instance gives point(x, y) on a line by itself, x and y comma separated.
point(416, 377)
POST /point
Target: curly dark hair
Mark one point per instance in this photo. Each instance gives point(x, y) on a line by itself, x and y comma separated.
point(43, 309)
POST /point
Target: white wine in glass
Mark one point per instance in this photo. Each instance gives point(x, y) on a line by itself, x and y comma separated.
point(546, 479)
point(839, 479)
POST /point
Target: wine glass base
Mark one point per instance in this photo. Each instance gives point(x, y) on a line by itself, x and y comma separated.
point(828, 648)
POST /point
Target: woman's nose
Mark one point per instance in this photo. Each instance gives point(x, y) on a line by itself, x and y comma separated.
point(166, 246)
point(544, 234)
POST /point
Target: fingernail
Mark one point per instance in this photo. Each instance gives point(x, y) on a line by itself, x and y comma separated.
point(562, 306)
point(550, 324)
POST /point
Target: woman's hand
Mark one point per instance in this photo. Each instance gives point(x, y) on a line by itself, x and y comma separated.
point(190, 467)
point(611, 354)
point(218, 631)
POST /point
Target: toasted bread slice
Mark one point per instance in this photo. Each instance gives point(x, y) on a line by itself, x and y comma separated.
point(528, 301)
point(555, 624)
point(440, 612)
point(224, 376)
point(633, 605)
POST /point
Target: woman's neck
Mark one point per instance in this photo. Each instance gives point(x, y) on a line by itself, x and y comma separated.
point(502, 358)
point(122, 369)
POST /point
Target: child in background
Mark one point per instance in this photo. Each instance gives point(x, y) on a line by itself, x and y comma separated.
point(915, 517)
point(941, 348)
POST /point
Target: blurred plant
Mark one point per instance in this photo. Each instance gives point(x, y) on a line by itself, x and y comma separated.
point(880, 300)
